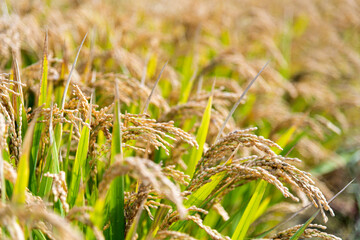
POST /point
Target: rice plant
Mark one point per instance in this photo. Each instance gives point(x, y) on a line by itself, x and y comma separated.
point(167, 120)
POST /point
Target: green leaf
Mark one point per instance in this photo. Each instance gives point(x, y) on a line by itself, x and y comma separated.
point(66, 162)
point(58, 128)
point(188, 79)
point(153, 89)
point(285, 138)
point(249, 215)
point(79, 164)
point(34, 153)
point(262, 208)
point(195, 154)
point(97, 216)
point(303, 228)
point(239, 101)
point(23, 167)
point(154, 228)
point(198, 198)
point(70, 74)
point(51, 164)
point(39, 235)
point(117, 188)
point(44, 75)
point(39, 126)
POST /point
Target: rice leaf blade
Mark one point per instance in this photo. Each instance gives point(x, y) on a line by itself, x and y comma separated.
point(239, 100)
point(23, 167)
point(198, 198)
point(250, 212)
point(300, 232)
point(285, 138)
point(70, 74)
point(51, 165)
point(116, 192)
point(44, 75)
point(153, 89)
point(39, 126)
point(79, 164)
point(195, 154)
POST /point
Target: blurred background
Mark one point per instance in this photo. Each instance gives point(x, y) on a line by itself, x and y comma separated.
point(311, 85)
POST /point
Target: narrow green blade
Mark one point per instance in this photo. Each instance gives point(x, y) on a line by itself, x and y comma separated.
point(300, 232)
point(70, 74)
point(23, 167)
point(51, 165)
point(79, 164)
point(195, 154)
point(153, 89)
point(44, 75)
point(250, 212)
point(198, 198)
point(39, 126)
point(116, 192)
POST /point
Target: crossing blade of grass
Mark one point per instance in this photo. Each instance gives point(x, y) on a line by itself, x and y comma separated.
point(52, 163)
point(58, 128)
point(264, 234)
point(153, 89)
point(39, 126)
point(195, 154)
point(239, 100)
point(250, 212)
point(23, 167)
point(70, 74)
point(300, 232)
point(79, 164)
point(117, 188)
point(156, 223)
point(245, 198)
point(198, 198)
point(262, 207)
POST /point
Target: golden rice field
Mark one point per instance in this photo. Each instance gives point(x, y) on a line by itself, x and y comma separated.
point(186, 119)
